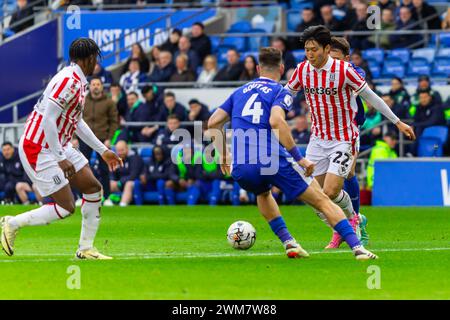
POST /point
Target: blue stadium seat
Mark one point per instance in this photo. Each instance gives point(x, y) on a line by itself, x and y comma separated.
point(375, 68)
point(222, 53)
point(442, 65)
point(240, 43)
point(427, 53)
point(438, 132)
point(254, 43)
point(443, 52)
point(215, 42)
point(393, 67)
point(146, 154)
point(299, 55)
point(293, 18)
point(444, 39)
point(2, 195)
point(301, 4)
point(402, 53)
point(429, 147)
point(267, 25)
point(418, 67)
point(240, 27)
point(249, 53)
point(375, 53)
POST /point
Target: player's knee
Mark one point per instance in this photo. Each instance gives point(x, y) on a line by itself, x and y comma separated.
point(331, 192)
point(169, 184)
point(129, 184)
point(66, 209)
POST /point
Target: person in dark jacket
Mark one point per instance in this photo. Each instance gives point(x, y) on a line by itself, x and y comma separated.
point(101, 73)
point(200, 42)
point(155, 174)
point(164, 68)
point(406, 22)
point(308, 19)
point(150, 95)
point(21, 19)
point(165, 136)
point(123, 179)
point(182, 72)
point(360, 24)
point(232, 70)
point(399, 93)
point(171, 106)
point(401, 110)
point(422, 10)
point(171, 44)
point(207, 180)
point(249, 73)
point(137, 112)
point(184, 47)
point(288, 57)
point(119, 96)
point(427, 114)
point(300, 132)
point(137, 53)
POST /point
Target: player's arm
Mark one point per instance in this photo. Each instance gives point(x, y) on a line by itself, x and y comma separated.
point(282, 131)
point(49, 119)
point(85, 133)
point(215, 126)
point(378, 103)
point(294, 85)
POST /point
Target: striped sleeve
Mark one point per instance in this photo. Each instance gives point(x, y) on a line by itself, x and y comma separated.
point(64, 91)
point(295, 84)
point(354, 80)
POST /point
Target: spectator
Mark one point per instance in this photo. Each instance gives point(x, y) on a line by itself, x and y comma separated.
point(308, 19)
point(164, 68)
point(100, 72)
point(182, 72)
point(198, 112)
point(118, 95)
point(446, 20)
point(399, 93)
point(373, 119)
point(166, 136)
point(428, 113)
point(360, 42)
point(343, 13)
point(123, 179)
point(387, 23)
point(100, 113)
point(171, 106)
point(13, 180)
point(357, 59)
point(401, 111)
point(249, 72)
point(424, 11)
point(208, 178)
point(209, 70)
point(383, 149)
point(200, 42)
point(155, 174)
point(137, 112)
point(154, 58)
point(149, 93)
point(406, 22)
point(424, 84)
point(288, 57)
point(184, 46)
point(409, 5)
point(327, 19)
point(131, 79)
point(137, 53)
point(386, 4)
point(22, 18)
point(232, 70)
point(171, 44)
point(300, 131)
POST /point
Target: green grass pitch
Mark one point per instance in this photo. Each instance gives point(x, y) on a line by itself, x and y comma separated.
point(182, 253)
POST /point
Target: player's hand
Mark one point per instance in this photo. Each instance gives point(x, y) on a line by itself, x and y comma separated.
point(225, 165)
point(67, 167)
point(112, 160)
point(406, 130)
point(308, 166)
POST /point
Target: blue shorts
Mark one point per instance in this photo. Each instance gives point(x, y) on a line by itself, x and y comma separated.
point(289, 178)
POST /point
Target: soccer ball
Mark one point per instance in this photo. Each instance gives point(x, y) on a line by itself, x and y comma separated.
point(241, 235)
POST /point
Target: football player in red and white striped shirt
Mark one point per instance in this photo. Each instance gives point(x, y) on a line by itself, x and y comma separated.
point(50, 160)
point(329, 85)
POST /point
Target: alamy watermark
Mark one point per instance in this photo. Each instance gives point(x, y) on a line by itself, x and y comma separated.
point(374, 280)
point(73, 282)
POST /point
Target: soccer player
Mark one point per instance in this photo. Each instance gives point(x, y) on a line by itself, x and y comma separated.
point(328, 85)
point(53, 164)
point(340, 50)
point(258, 119)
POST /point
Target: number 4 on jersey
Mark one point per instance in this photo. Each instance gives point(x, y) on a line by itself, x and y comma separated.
point(253, 109)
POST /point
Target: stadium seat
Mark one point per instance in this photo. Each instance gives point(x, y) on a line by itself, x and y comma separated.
point(146, 154)
point(254, 43)
point(402, 53)
point(427, 53)
point(215, 42)
point(444, 39)
point(222, 53)
point(249, 53)
point(240, 27)
point(393, 67)
point(442, 65)
point(299, 55)
point(443, 52)
point(2, 195)
point(429, 147)
point(418, 67)
point(240, 43)
point(301, 4)
point(437, 132)
point(375, 68)
point(267, 25)
point(375, 53)
point(293, 18)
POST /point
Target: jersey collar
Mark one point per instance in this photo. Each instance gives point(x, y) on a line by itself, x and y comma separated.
point(266, 79)
point(326, 66)
point(79, 73)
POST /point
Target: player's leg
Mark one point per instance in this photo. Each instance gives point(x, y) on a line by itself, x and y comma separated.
point(39, 198)
point(169, 191)
point(91, 189)
point(21, 189)
point(315, 197)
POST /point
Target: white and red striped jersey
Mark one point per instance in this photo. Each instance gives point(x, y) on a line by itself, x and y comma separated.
point(328, 93)
point(67, 89)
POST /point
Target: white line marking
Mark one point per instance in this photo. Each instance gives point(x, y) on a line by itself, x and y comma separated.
point(147, 256)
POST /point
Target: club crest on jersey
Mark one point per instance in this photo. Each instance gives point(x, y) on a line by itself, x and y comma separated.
point(332, 77)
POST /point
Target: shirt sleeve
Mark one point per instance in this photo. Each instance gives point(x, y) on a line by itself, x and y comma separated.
point(64, 92)
point(227, 106)
point(283, 100)
point(354, 80)
point(294, 84)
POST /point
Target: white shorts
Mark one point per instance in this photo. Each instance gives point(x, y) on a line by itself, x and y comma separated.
point(334, 157)
point(43, 169)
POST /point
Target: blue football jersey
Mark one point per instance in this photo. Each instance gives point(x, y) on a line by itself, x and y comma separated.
point(249, 109)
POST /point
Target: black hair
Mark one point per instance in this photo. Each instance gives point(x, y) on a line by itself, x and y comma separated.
point(169, 94)
point(133, 93)
point(115, 84)
point(201, 25)
point(398, 79)
point(177, 31)
point(319, 33)
point(83, 48)
point(7, 143)
point(96, 78)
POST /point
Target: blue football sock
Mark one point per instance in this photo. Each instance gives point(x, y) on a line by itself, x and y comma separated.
point(352, 188)
point(347, 233)
point(279, 228)
point(170, 196)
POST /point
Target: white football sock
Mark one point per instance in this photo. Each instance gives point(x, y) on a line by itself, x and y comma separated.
point(323, 218)
point(343, 200)
point(39, 217)
point(90, 210)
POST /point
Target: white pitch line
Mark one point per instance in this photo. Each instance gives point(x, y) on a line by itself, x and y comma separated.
point(148, 256)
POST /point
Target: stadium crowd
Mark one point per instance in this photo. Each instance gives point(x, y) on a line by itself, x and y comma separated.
point(149, 175)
